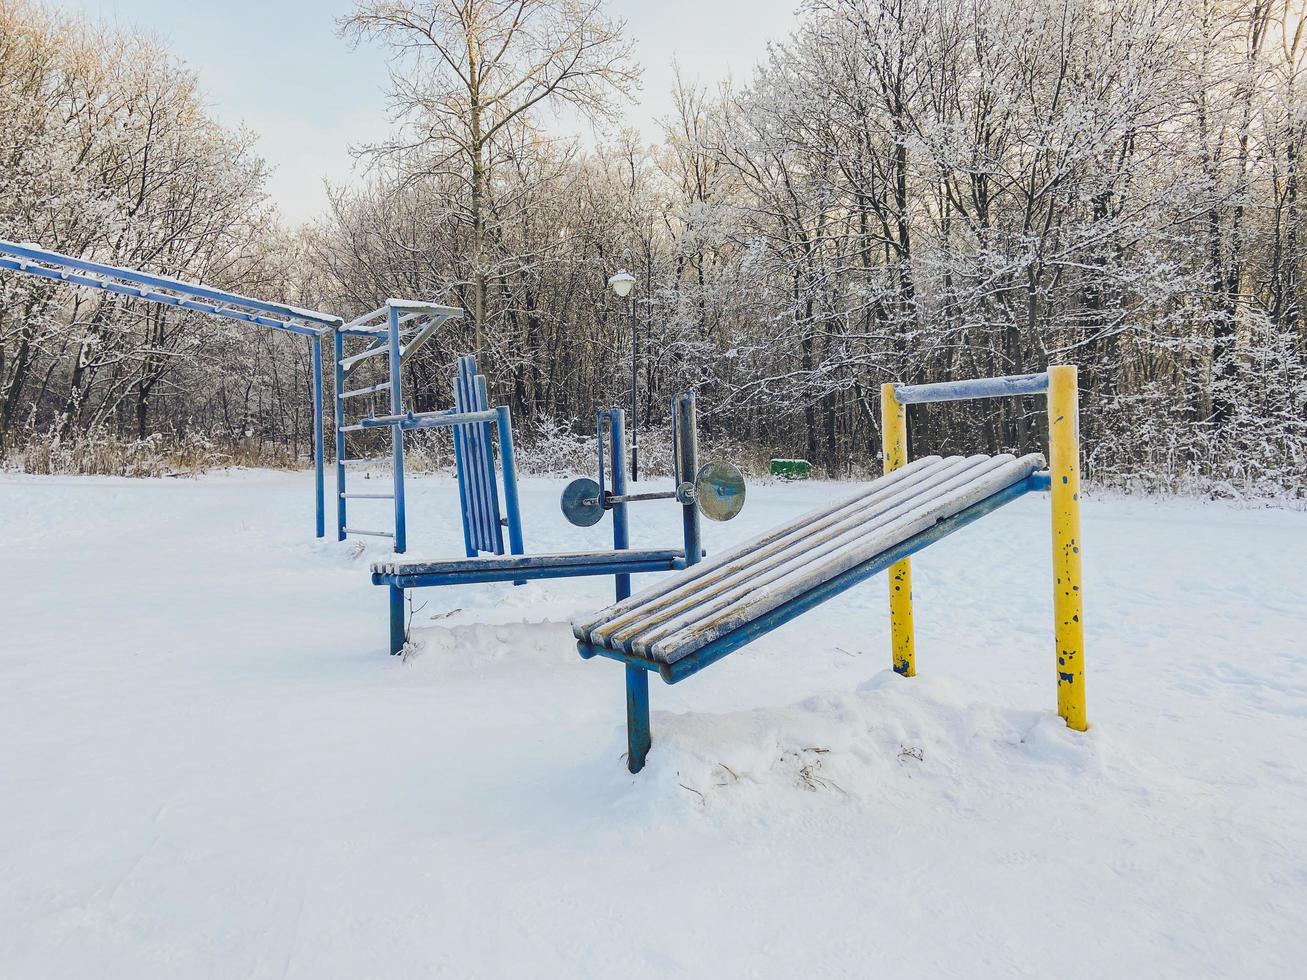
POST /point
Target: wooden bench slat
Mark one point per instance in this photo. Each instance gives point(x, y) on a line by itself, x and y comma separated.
point(683, 584)
point(759, 565)
point(698, 633)
point(671, 620)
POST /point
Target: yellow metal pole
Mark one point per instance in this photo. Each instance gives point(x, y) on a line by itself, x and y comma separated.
point(1068, 597)
point(894, 443)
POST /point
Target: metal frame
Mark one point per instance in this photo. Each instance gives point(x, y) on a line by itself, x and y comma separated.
point(621, 562)
point(166, 291)
point(1059, 385)
point(397, 331)
point(1061, 480)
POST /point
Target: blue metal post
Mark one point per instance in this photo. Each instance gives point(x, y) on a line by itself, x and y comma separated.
point(462, 468)
point(508, 465)
point(339, 350)
point(638, 736)
point(320, 502)
point(687, 444)
point(397, 439)
point(396, 620)
point(492, 489)
point(617, 462)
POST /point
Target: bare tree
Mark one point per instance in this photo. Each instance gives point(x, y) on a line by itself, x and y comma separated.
point(466, 72)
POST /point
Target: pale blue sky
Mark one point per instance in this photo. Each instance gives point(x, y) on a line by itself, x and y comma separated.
point(278, 66)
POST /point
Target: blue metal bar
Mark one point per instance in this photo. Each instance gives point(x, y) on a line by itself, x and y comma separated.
point(477, 577)
point(422, 335)
point(508, 467)
point(186, 289)
point(365, 391)
point(460, 471)
point(134, 292)
point(463, 403)
point(687, 440)
point(371, 534)
point(473, 452)
point(486, 533)
point(480, 418)
point(599, 449)
point(428, 420)
point(339, 351)
point(380, 347)
point(955, 391)
point(462, 466)
point(621, 518)
point(320, 502)
point(423, 307)
point(725, 645)
point(397, 631)
point(514, 563)
point(638, 735)
point(397, 434)
point(492, 485)
point(375, 322)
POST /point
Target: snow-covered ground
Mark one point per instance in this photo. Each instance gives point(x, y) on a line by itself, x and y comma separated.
point(211, 767)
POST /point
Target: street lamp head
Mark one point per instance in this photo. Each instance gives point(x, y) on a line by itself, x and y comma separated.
point(621, 283)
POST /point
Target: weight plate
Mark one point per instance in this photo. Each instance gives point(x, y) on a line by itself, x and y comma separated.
point(720, 488)
point(581, 502)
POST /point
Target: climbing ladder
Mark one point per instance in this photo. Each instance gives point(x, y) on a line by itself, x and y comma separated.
point(394, 333)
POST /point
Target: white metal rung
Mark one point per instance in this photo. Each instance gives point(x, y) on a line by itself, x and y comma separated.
point(372, 534)
point(349, 362)
point(365, 391)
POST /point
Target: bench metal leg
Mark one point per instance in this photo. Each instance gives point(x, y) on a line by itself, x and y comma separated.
point(396, 620)
point(638, 738)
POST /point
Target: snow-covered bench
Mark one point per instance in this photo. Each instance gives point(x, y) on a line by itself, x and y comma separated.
point(687, 621)
point(403, 573)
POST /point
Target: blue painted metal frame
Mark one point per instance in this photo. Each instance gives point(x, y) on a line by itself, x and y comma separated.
point(339, 351)
point(725, 645)
point(638, 735)
point(129, 282)
point(320, 503)
point(167, 291)
point(396, 433)
point(621, 563)
point(474, 457)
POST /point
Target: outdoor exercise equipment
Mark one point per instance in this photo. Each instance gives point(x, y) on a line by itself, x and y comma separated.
point(163, 290)
point(688, 621)
point(716, 489)
point(395, 332)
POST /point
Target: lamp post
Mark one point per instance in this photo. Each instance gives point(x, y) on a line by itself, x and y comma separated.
point(622, 283)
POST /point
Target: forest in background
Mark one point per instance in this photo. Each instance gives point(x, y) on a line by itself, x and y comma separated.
point(901, 191)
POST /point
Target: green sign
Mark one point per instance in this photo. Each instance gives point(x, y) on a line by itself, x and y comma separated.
point(791, 469)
